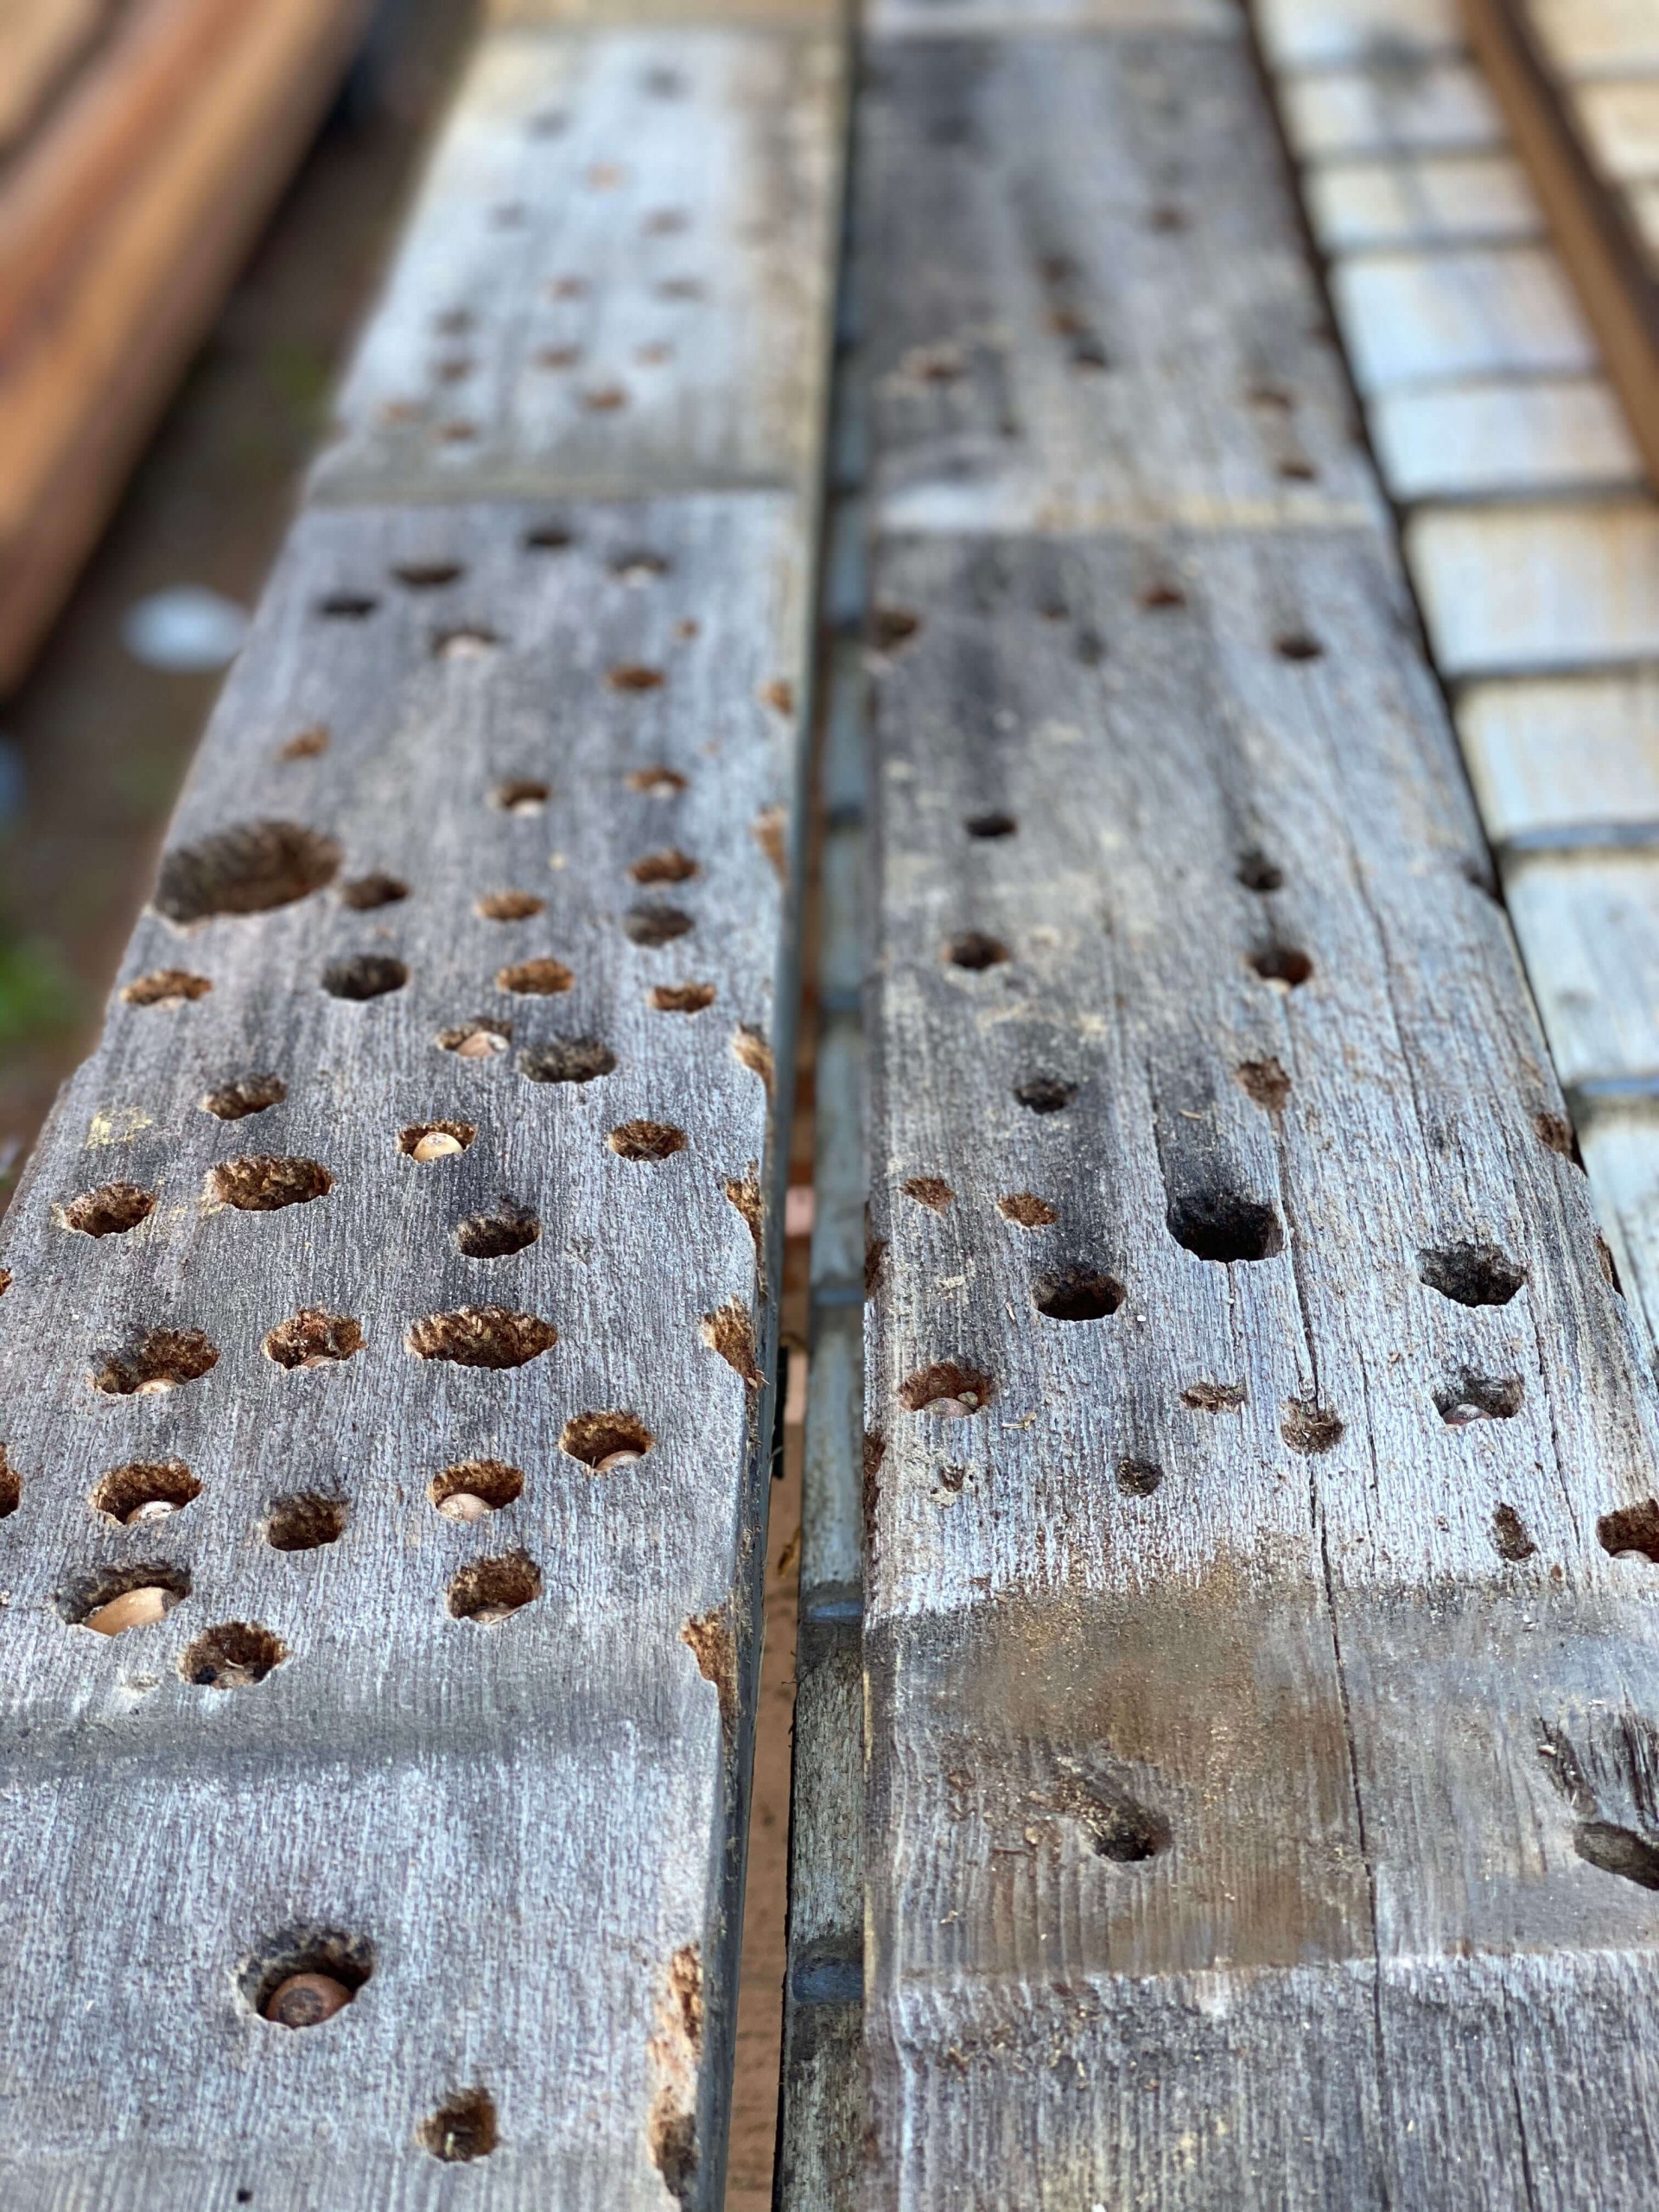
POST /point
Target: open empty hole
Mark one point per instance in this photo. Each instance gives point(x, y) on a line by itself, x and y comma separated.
point(144, 1490)
point(1310, 1427)
point(154, 1360)
point(428, 576)
point(348, 605)
point(538, 979)
point(751, 1050)
point(653, 924)
point(462, 2127)
point(313, 1338)
point(1618, 1851)
point(1077, 1294)
point(1632, 1529)
point(366, 893)
point(497, 1235)
point(549, 538)
point(633, 676)
point(1257, 873)
point(305, 1522)
point(363, 975)
point(303, 1976)
point(247, 869)
point(647, 1140)
point(11, 1486)
point(522, 795)
point(429, 1141)
point(233, 1656)
point(475, 1041)
point(111, 1599)
point(681, 998)
point(1162, 596)
point(1478, 1397)
point(729, 1330)
point(1224, 1226)
point(1026, 1210)
point(1264, 1083)
point(111, 1211)
point(892, 627)
point(1509, 1537)
point(509, 906)
point(1118, 1826)
point(1045, 1094)
point(990, 825)
point(487, 1590)
point(669, 866)
point(566, 1059)
point(245, 1095)
point(166, 988)
point(480, 1335)
point(1282, 965)
point(1296, 645)
point(947, 1388)
point(605, 1441)
point(655, 783)
point(973, 949)
point(472, 1489)
point(264, 1183)
point(1473, 1274)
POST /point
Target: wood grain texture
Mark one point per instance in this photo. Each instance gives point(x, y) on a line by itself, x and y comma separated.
point(1432, 107)
point(1568, 756)
point(615, 277)
point(1338, 33)
point(1538, 589)
point(1421, 318)
point(1504, 437)
point(1441, 200)
point(40, 40)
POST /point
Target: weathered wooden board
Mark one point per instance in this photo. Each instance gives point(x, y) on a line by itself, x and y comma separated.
point(614, 276)
point(1591, 920)
point(1416, 318)
point(1568, 757)
point(1510, 437)
point(1511, 590)
point(1398, 105)
point(39, 43)
point(1441, 200)
point(1337, 34)
point(1621, 123)
point(1599, 37)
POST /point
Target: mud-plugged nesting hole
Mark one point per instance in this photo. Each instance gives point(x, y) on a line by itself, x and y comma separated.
point(466, 641)
point(605, 1441)
point(646, 1140)
point(974, 949)
point(463, 2127)
point(542, 978)
point(508, 1227)
point(1045, 1094)
point(651, 924)
point(1509, 1537)
point(1632, 1529)
point(245, 1095)
point(247, 869)
point(365, 894)
point(633, 676)
point(1310, 1427)
point(154, 1360)
point(1264, 1083)
point(487, 1590)
point(681, 998)
point(1224, 1226)
point(110, 1601)
point(1473, 1274)
point(1556, 1131)
point(521, 795)
point(1077, 1294)
point(991, 825)
point(929, 1191)
point(306, 745)
point(638, 566)
point(167, 988)
point(472, 1489)
point(480, 1335)
point(110, 1210)
point(429, 1141)
point(1214, 1397)
point(262, 1182)
point(305, 1975)
point(475, 1041)
point(1257, 873)
point(233, 1656)
point(566, 1059)
point(1162, 597)
point(145, 1490)
point(670, 866)
point(655, 783)
point(11, 1486)
point(1618, 1851)
point(509, 906)
point(313, 1338)
point(1026, 1210)
point(305, 1520)
point(947, 1388)
point(1282, 966)
point(1139, 1478)
point(1478, 1397)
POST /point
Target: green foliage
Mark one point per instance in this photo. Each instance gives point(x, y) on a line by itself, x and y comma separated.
point(38, 991)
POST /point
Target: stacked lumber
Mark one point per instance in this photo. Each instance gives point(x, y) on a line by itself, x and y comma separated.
point(389, 1336)
point(124, 216)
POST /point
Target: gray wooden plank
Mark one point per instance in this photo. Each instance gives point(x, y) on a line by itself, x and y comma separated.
point(1411, 317)
point(1540, 590)
point(1568, 754)
point(1399, 104)
point(1504, 438)
point(1440, 200)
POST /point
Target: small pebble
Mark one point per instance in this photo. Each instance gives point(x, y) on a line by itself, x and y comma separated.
point(462, 1505)
point(480, 1045)
point(153, 1509)
point(132, 1609)
point(438, 1144)
point(305, 2000)
point(616, 1459)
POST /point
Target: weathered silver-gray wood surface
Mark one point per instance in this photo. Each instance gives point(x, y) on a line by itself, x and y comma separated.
point(1260, 1646)
point(429, 1157)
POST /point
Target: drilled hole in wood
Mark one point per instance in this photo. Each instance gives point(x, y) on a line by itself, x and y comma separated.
point(475, 1041)
point(145, 1490)
point(931, 1191)
point(11, 1486)
point(1618, 1851)
point(521, 795)
point(245, 1095)
point(549, 538)
point(1118, 1826)
point(680, 287)
point(656, 782)
point(536, 979)
point(303, 1976)
point(264, 1183)
point(467, 641)
point(681, 998)
point(458, 433)
point(1632, 1529)
point(634, 676)
point(974, 949)
point(487, 1590)
point(1026, 1210)
point(1608, 1265)
point(473, 1489)
point(1257, 873)
point(166, 988)
point(430, 575)
point(111, 1211)
point(508, 1227)
point(605, 398)
point(894, 627)
point(1473, 1274)
point(233, 1656)
point(1295, 468)
point(1282, 967)
point(110, 1601)
point(1214, 1397)
point(1077, 1294)
point(990, 825)
point(1556, 1131)
point(651, 924)
point(509, 906)
point(1045, 1094)
point(751, 1050)
point(639, 567)
point(1139, 1478)
point(1296, 645)
point(566, 1059)
point(729, 1330)
point(154, 1360)
point(1509, 1537)
point(251, 869)
point(646, 1140)
point(363, 975)
point(1167, 216)
point(480, 1335)
point(671, 866)
point(463, 2127)
point(365, 893)
point(1162, 597)
point(605, 1441)
point(307, 745)
point(949, 1389)
point(312, 1338)
point(429, 1141)
point(305, 1522)
point(778, 694)
point(1478, 1397)
point(1310, 1427)
point(1264, 1083)
point(1224, 1226)
point(348, 605)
